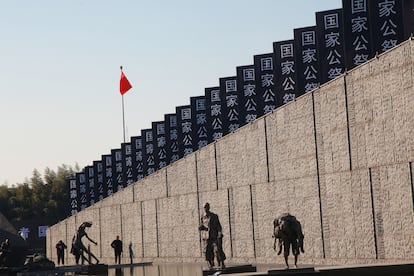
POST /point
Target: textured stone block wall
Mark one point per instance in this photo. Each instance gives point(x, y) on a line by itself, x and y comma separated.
point(132, 228)
point(207, 179)
point(241, 157)
point(181, 177)
point(339, 158)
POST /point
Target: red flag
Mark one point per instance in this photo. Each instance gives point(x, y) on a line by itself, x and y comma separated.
point(124, 84)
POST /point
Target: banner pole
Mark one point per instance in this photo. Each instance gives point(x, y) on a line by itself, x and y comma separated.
point(123, 117)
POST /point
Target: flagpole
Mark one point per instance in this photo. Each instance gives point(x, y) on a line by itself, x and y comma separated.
point(123, 112)
point(124, 86)
point(123, 116)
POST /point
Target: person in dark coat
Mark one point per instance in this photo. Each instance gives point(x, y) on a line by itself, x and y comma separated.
point(117, 246)
point(60, 251)
point(212, 236)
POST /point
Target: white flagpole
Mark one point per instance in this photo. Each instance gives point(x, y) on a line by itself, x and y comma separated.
point(123, 116)
point(123, 113)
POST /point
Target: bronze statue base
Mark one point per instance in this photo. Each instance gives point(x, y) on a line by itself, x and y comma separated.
point(94, 269)
point(231, 269)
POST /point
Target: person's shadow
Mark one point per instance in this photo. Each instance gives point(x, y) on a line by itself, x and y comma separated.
point(118, 271)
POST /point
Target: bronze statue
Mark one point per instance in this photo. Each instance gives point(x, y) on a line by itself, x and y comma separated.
point(4, 251)
point(38, 262)
point(78, 248)
point(212, 236)
point(287, 232)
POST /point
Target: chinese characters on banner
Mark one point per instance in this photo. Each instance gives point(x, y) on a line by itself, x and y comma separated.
point(148, 151)
point(285, 71)
point(387, 24)
point(90, 184)
point(24, 232)
point(117, 170)
point(73, 196)
point(330, 44)
point(229, 104)
point(199, 121)
point(307, 59)
point(99, 180)
point(357, 32)
point(128, 177)
point(171, 133)
point(42, 231)
point(265, 83)
point(160, 144)
point(185, 130)
point(137, 158)
point(83, 198)
point(107, 166)
point(214, 112)
point(246, 83)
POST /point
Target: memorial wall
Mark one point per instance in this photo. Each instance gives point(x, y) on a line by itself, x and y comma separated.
point(339, 158)
point(320, 127)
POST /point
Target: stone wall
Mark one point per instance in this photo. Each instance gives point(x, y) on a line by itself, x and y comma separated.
point(338, 158)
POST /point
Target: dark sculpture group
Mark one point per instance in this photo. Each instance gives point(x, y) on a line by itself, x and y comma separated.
point(287, 234)
point(79, 250)
point(212, 236)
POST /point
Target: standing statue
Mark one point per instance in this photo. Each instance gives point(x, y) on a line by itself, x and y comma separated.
point(78, 248)
point(212, 236)
point(4, 252)
point(287, 232)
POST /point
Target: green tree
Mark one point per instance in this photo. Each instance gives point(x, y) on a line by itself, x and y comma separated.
point(23, 200)
point(40, 193)
point(5, 194)
point(45, 199)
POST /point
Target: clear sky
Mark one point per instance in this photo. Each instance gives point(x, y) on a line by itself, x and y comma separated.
point(59, 68)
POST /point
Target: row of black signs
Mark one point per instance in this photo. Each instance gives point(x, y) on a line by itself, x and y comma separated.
point(341, 40)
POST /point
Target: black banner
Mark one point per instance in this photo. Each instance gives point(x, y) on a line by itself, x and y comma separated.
point(357, 27)
point(90, 184)
point(215, 128)
point(137, 158)
point(330, 44)
point(83, 195)
point(73, 196)
point(246, 83)
point(99, 180)
point(127, 165)
point(108, 172)
point(408, 18)
point(185, 130)
point(307, 59)
point(230, 104)
point(199, 121)
point(117, 170)
point(171, 133)
point(387, 24)
point(160, 144)
point(148, 151)
point(265, 83)
point(285, 71)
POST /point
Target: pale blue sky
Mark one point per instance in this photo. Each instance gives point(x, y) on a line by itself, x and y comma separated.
point(59, 67)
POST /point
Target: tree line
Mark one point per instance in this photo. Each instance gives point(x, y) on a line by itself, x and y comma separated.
point(43, 198)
